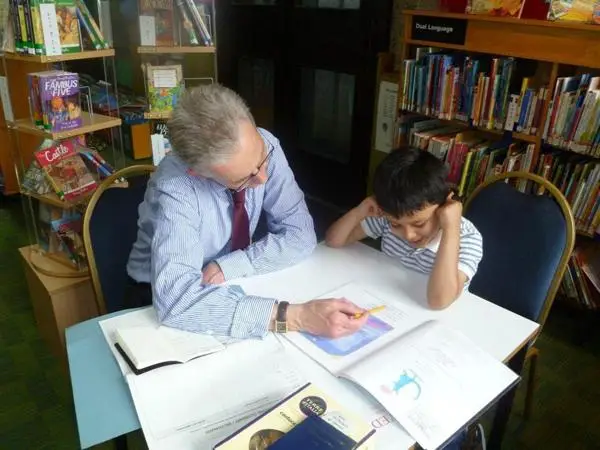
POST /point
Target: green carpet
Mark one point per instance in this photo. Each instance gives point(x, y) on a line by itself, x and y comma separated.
point(36, 408)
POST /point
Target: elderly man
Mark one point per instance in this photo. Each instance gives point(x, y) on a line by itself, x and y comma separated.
point(200, 211)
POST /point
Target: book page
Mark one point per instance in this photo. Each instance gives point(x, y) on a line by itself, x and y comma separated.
point(196, 405)
point(433, 380)
point(148, 345)
point(381, 328)
point(188, 344)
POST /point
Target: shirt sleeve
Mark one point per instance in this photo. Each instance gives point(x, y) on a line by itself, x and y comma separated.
point(180, 298)
point(470, 252)
point(373, 226)
point(291, 232)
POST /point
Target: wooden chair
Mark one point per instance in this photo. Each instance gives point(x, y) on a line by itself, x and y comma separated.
point(527, 241)
point(109, 232)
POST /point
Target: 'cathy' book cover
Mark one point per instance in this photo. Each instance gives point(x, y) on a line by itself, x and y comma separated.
point(60, 101)
point(66, 171)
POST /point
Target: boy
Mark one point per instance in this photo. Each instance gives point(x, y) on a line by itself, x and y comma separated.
point(419, 221)
point(421, 224)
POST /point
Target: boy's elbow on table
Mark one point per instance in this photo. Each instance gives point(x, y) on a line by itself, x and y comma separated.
point(333, 241)
point(439, 302)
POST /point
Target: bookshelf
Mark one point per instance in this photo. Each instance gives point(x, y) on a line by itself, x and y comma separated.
point(56, 249)
point(530, 88)
point(182, 55)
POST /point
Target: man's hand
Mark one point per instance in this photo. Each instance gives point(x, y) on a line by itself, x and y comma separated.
point(450, 214)
point(368, 208)
point(332, 317)
point(212, 274)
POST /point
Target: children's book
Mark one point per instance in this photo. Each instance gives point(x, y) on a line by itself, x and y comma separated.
point(165, 85)
point(337, 427)
point(504, 8)
point(65, 170)
point(431, 379)
point(156, 22)
point(68, 26)
point(60, 102)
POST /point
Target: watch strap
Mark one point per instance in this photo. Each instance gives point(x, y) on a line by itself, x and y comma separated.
point(281, 317)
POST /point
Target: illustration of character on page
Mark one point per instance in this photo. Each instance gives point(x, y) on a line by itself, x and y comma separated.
point(373, 329)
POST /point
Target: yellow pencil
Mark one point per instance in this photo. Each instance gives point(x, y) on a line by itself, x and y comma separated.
point(370, 311)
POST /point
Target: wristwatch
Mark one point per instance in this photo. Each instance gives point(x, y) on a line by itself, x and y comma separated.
point(281, 317)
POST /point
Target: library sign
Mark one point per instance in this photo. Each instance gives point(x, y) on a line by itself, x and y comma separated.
point(439, 29)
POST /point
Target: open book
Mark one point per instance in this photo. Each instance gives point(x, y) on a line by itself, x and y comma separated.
point(144, 344)
point(431, 379)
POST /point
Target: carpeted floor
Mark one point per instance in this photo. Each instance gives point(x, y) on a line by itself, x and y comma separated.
point(36, 410)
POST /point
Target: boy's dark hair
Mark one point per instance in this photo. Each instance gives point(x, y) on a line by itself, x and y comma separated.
point(409, 179)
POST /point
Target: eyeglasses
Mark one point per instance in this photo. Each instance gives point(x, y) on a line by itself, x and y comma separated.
point(250, 177)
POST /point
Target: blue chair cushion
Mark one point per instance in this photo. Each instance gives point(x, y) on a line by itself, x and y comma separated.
point(524, 237)
point(113, 231)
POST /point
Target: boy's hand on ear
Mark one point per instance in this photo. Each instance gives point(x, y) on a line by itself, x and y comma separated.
point(450, 213)
point(369, 208)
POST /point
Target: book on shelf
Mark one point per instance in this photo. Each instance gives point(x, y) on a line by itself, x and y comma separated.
point(295, 416)
point(501, 8)
point(431, 379)
point(581, 284)
point(472, 157)
point(65, 170)
point(55, 100)
point(52, 27)
point(493, 93)
point(573, 117)
point(158, 18)
point(164, 85)
point(146, 345)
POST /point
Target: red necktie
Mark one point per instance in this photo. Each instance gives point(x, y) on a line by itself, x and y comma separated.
point(240, 233)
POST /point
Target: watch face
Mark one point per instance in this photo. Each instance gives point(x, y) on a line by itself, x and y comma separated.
point(281, 327)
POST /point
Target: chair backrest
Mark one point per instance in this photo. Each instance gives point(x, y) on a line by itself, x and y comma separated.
point(109, 232)
point(527, 241)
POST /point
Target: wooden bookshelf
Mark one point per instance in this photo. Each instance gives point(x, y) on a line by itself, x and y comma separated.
point(91, 122)
point(559, 49)
point(42, 59)
point(148, 50)
point(540, 40)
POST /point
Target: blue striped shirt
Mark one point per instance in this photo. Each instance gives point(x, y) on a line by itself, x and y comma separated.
point(422, 259)
point(186, 222)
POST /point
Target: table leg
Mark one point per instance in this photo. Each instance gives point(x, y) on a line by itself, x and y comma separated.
point(120, 442)
point(505, 404)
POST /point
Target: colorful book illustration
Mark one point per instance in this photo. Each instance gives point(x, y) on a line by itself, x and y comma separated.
point(68, 230)
point(308, 401)
point(66, 171)
point(430, 378)
point(504, 8)
point(68, 26)
point(165, 85)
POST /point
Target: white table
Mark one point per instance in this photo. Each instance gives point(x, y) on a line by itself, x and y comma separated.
point(496, 330)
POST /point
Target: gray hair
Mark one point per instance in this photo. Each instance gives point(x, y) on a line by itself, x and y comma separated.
point(204, 126)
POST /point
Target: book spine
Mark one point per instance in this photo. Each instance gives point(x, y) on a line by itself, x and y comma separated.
point(80, 4)
point(88, 29)
point(187, 23)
